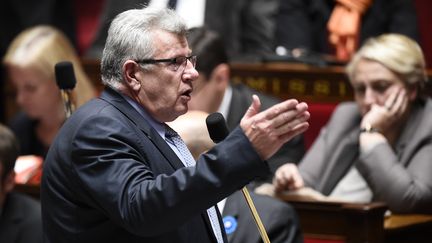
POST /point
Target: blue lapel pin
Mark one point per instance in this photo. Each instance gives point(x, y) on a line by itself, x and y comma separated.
point(230, 224)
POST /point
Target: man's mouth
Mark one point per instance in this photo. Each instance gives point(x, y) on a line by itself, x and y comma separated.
point(187, 93)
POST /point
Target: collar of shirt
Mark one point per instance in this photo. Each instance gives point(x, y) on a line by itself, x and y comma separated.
point(226, 102)
point(159, 127)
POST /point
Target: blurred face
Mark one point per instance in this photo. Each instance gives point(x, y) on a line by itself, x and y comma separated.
point(373, 83)
point(203, 97)
point(36, 94)
point(166, 88)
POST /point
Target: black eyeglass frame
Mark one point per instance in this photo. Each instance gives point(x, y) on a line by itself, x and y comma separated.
point(191, 58)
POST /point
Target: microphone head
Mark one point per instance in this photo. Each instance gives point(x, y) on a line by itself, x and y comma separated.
point(65, 76)
point(217, 127)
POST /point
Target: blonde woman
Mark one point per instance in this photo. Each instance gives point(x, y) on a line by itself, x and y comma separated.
point(29, 63)
point(379, 147)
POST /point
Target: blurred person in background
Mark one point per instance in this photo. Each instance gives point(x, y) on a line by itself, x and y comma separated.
point(313, 27)
point(29, 63)
point(20, 215)
point(214, 92)
point(377, 148)
point(246, 26)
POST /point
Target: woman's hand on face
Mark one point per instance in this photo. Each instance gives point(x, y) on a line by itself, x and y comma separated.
point(287, 177)
point(386, 118)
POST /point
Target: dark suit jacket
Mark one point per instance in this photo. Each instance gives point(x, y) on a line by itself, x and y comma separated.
point(399, 176)
point(110, 177)
point(279, 219)
point(303, 23)
point(246, 26)
point(20, 221)
point(292, 151)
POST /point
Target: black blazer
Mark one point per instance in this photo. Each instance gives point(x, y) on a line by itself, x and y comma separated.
point(110, 177)
point(279, 219)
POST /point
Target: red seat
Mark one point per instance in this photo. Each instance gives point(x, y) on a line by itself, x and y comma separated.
point(87, 22)
point(320, 114)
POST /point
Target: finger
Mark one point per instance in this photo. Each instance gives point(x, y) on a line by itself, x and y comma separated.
point(285, 120)
point(254, 107)
point(288, 116)
point(280, 108)
point(297, 181)
point(291, 178)
point(279, 183)
point(281, 177)
point(290, 125)
point(300, 128)
point(391, 99)
point(400, 104)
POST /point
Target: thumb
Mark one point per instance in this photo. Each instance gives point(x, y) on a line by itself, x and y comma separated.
point(254, 107)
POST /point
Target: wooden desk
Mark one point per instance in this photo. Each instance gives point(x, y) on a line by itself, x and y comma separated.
point(408, 228)
point(336, 222)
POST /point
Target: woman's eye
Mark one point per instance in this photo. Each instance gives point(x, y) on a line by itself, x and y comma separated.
point(380, 88)
point(359, 89)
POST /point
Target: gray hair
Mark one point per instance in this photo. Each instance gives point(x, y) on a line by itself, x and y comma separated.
point(396, 52)
point(130, 37)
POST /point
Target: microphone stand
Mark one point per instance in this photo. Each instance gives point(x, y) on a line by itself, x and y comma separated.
point(65, 78)
point(255, 215)
point(68, 105)
point(218, 131)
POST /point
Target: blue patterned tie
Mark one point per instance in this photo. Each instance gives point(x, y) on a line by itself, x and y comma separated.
point(172, 137)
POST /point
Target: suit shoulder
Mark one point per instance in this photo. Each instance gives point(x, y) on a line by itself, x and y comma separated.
point(345, 110)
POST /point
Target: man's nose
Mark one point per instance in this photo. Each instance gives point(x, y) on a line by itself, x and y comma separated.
point(190, 73)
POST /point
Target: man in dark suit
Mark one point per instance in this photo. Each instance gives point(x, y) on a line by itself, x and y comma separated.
point(279, 218)
point(247, 26)
point(117, 173)
point(20, 215)
point(214, 91)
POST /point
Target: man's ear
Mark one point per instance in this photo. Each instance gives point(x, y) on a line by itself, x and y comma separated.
point(9, 182)
point(221, 75)
point(130, 71)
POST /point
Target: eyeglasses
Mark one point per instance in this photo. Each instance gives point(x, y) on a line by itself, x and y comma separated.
point(175, 63)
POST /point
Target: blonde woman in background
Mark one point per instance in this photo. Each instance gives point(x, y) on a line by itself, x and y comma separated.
point(379, 147)
point(29, 64)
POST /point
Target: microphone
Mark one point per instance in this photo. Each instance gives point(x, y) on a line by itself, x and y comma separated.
point(65, 77)
point(217, 127)
point(218, 131)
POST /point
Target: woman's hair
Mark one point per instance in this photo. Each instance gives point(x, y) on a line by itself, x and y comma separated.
point(130, 37)
point(40, 48)
point(396, 52)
